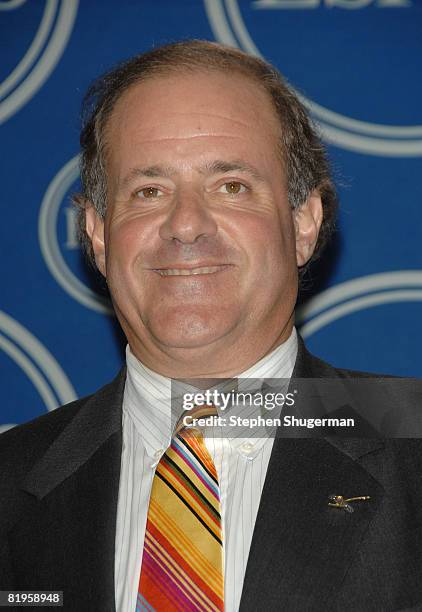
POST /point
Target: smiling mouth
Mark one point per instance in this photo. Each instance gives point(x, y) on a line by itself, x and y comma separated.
point(190, 271)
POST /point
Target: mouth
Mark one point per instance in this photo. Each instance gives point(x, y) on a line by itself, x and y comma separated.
point(190, 271)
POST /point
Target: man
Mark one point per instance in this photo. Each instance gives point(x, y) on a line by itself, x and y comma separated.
point(205, 192)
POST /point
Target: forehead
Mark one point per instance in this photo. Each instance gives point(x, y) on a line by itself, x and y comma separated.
point(198, 109)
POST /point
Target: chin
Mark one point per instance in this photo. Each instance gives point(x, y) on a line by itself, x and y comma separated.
point(179, 330)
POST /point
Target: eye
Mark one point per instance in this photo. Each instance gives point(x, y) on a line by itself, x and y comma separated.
point(233, 187)
point(149, 193)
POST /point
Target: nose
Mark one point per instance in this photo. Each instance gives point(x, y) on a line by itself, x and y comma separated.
point(188, 219)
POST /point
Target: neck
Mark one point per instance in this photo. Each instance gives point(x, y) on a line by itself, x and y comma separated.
point(209, 362)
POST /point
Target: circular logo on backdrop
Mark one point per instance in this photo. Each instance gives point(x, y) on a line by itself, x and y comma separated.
point(36, 362)
point(336, 51)
point(36, 53)
point(340, 319)
point(358, 294)
point(58, 239)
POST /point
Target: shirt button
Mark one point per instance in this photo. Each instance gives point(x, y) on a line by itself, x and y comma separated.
point(247, 447)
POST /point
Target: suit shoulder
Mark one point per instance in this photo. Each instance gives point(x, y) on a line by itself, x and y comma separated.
point(326, 369)
point(24, 444)
point(309, 366)
point(32, 438)
point(346, 373)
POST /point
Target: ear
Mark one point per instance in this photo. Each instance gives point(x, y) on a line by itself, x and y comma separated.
point(94, 226)
point(307, 221)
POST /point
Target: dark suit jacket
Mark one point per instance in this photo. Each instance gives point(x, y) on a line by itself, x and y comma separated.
point(59, 478)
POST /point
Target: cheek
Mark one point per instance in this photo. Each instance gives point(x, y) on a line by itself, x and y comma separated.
point(128, 240)
point(269, 245)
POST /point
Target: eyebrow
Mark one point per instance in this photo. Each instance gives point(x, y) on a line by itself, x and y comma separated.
point(217, 166)
point(220, 166)
point(147, 171)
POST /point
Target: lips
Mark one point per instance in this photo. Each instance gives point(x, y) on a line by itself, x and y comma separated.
point(190, 271)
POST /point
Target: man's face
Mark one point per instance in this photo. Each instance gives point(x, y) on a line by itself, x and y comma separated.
point(198, 245)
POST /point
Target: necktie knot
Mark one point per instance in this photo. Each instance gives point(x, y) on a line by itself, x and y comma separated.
point(186, 424)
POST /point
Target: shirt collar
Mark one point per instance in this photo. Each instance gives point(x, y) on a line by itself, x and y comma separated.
point(147, 397)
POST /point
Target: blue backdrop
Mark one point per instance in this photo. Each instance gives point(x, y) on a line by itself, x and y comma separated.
point(357, 66)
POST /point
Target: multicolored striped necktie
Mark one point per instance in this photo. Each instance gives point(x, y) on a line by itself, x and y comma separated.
point(182, 563)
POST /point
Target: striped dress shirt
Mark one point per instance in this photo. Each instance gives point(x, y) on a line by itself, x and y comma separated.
point(241, 463)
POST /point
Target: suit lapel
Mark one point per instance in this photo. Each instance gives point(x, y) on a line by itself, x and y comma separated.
point(67, 536)
point(301, 547)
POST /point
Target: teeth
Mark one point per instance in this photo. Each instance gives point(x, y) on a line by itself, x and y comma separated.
point(185, 272)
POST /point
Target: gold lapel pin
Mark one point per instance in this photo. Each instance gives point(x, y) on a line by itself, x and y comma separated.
point(338, 501)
